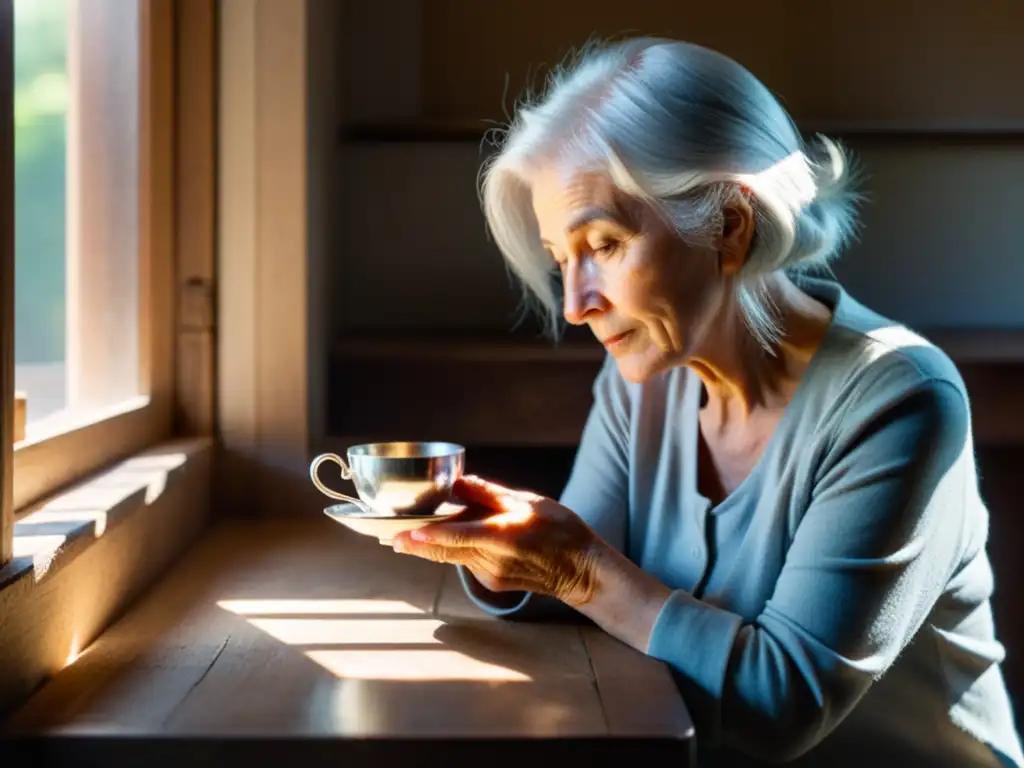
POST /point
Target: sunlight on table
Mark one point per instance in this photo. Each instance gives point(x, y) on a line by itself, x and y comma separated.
point(368, 639)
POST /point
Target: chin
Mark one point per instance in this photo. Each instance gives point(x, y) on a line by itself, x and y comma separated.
point(639, 367)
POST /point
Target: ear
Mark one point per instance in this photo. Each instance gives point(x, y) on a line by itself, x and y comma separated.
point(738, 227)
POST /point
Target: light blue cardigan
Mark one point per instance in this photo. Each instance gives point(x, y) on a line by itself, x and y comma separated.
point(834, 609)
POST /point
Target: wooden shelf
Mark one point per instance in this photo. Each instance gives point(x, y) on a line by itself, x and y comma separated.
point(503, 390)
point(468, 388)
point(963, 345)
point(427, 131)
point(460, 131)
point(461, 347)
point(981, 345)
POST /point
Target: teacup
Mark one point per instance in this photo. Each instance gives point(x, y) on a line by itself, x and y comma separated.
point(396, 478)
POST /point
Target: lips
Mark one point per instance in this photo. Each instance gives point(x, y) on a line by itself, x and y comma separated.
point(616, 338)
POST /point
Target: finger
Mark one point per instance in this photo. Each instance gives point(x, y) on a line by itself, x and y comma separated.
point(467, 535)
point(437, 554)
point(476, 534)
point(476, 490)
point(493, 494)
point(496, 582)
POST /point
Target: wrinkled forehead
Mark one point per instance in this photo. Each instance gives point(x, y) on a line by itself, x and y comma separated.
point(564, 195)
point(558, 185)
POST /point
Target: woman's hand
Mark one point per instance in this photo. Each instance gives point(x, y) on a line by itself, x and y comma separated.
point(514, 540)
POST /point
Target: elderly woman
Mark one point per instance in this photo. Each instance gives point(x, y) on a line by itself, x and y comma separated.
point(775, 491)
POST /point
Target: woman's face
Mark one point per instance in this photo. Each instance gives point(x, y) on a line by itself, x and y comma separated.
point(646, 295)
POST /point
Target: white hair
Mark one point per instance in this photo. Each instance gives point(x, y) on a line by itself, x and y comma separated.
point(683, 128)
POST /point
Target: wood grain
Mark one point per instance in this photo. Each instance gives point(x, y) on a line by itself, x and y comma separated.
point(45, 466)
point(283, 629)
point(281, 130)
point(84, 557)
point(237, 254)
point(619, 675)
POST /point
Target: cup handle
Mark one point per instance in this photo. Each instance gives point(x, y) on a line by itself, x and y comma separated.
point(346, 474)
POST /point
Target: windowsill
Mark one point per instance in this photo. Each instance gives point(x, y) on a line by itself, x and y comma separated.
point(64, 448)
point(52, 534)
point(65, 422)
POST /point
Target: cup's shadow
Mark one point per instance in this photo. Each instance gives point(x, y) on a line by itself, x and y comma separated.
point(484, 642)
point(487, 640)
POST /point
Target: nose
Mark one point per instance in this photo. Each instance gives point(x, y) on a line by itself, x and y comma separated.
point(582, 297)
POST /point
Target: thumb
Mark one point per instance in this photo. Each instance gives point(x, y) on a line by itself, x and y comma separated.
point(470, 511)
point(476, 490)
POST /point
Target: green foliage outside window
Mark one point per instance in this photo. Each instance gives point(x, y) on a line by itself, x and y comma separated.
point(40, 145)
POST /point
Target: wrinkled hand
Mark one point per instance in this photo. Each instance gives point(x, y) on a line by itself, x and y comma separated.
point(513, 540)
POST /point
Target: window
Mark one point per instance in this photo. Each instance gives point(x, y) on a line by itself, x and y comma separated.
point(93, 229)
point(76, 211)
point(40, 169)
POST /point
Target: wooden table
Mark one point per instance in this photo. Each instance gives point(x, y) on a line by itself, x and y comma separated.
point(304, 643)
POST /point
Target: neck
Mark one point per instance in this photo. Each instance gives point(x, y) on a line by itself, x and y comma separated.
point(739, 374)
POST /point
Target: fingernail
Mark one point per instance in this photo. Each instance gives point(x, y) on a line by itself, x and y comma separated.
point(419, 536)
point(398, 545)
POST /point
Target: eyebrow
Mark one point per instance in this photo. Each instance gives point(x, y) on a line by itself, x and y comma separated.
point(588, 216)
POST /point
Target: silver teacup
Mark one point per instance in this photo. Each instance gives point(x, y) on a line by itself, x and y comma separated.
point(396, 478)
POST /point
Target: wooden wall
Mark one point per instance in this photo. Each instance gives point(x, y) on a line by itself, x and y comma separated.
point(940, 248)
point(938, 63)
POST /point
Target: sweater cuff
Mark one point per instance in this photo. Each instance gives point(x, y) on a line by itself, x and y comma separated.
point(696, 640)
point(479, 596)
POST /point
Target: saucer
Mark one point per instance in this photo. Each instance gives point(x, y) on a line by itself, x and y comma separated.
point(384, 526)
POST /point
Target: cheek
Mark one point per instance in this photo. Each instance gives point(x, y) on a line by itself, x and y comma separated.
point(682, 283)
point(641, 299)
point(654, 286)
point(633, 292)
point(669, 289)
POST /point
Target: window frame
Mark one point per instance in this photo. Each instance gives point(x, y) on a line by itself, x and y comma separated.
point(37, 468)
point(6, 278)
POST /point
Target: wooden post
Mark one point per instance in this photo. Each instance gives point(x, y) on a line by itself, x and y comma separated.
point(262, 271)
point(195, 237)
